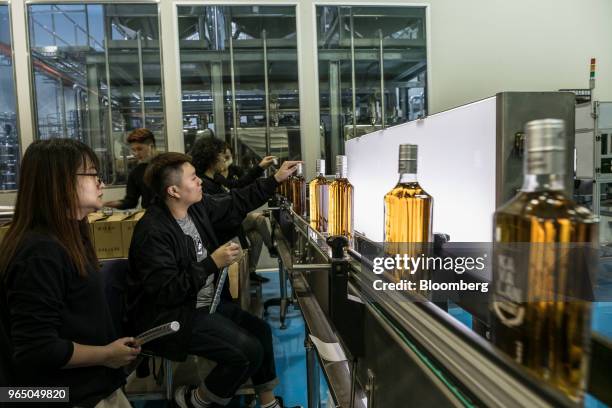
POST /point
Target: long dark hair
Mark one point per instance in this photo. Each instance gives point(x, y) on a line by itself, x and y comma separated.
point(47, 201)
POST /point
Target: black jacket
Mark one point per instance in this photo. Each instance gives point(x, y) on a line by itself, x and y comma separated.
point(165, 277)
point(234, 180)
point(221, 185)
point(48, 306)
point(136, 188)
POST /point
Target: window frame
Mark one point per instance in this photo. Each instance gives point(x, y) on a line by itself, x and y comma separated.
point(21, 149)
point(31, 77)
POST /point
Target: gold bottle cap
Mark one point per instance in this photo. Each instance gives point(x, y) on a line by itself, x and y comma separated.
point(341, 166)
point(407, 158)
point(320, 166)
point(545, 147)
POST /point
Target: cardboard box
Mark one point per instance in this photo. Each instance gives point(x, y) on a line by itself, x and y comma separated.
point(91, 218)
point(239, 283)
point(127, 229)
point(107, 236)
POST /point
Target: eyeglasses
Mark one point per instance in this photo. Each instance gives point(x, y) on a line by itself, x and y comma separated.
point(96, 175)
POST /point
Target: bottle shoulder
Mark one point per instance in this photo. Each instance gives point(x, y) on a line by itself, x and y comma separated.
point(408, 190)
point(545, 205)
point(319, 180)
point(341, 182)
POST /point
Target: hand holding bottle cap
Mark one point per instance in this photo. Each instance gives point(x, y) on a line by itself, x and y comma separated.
point(287, 168)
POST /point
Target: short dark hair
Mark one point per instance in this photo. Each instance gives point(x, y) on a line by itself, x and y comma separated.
point(165, 170)
point(205, 153)
point(141, 135)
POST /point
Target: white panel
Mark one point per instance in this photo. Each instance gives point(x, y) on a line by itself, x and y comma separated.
point(605, 115)
point(584, 154)
point(584, 120)
point(456, 165)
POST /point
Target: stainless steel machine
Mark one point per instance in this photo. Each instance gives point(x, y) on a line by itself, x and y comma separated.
point(399, 352)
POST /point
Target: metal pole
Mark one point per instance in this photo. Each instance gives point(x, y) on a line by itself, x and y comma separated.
point(282, 275)
point(266, 90)
point(111, 144)
point(234, 114)
point(62, 102)
point(140, 70)
point(312, 374)
point(353, 366)
point(382, 79)
point(353, 76)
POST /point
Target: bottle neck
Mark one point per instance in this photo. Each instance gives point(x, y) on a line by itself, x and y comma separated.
point(406, 178)
point(543, 182)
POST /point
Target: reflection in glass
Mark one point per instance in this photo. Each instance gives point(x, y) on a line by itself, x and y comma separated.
point(9, 141)
point(97, 76)
point(372, 70)
point(239, 71)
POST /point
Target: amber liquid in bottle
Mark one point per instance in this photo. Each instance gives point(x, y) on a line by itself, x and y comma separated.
point(408, 212)
point(341, 208)
point(408, 219)
point(319, 200)
point(408, 215)
point(547, 335)
point(297, 194)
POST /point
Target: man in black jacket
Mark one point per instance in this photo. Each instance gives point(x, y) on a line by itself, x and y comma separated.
point(174, 261)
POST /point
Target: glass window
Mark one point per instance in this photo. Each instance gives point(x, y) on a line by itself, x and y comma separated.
point(239, 71)
point(9, 140)
point(372, 70)
point(97, 76)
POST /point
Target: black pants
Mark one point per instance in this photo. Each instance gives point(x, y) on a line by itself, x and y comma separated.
point(240, 344)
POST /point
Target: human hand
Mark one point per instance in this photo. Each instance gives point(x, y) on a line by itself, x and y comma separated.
point(288, 168)
point(266, 162)
point(121, 352)
point(226, 254)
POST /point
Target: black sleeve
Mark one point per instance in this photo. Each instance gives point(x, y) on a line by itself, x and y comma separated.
point(132, 191)
point(227, 211)
point(36, 294)
point(243, 181)
point(162, 275)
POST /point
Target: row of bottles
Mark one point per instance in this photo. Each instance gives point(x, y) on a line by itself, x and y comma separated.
point(294, 188)
point(331, 201)
point(540, 329)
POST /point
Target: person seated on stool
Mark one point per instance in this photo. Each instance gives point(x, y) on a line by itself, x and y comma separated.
point(52, 293)
point(142, 144)
point(209, 160)
point(175, 258)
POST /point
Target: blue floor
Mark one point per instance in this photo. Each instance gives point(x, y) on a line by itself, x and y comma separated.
point(288, 347)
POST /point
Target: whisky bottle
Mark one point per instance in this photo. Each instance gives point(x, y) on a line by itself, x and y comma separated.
point(408, 213)
point(340, 211)
point(537, 318)
point(318, 189)
point(297, 191)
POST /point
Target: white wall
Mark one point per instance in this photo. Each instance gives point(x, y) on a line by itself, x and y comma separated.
point(481, 47)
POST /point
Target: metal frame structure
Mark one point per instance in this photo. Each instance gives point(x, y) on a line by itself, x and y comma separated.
point(307, 52)
point(4, 193)
point(336, 130)
point(436, 353)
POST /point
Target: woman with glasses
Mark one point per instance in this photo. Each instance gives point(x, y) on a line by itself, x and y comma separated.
point(52, 296)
